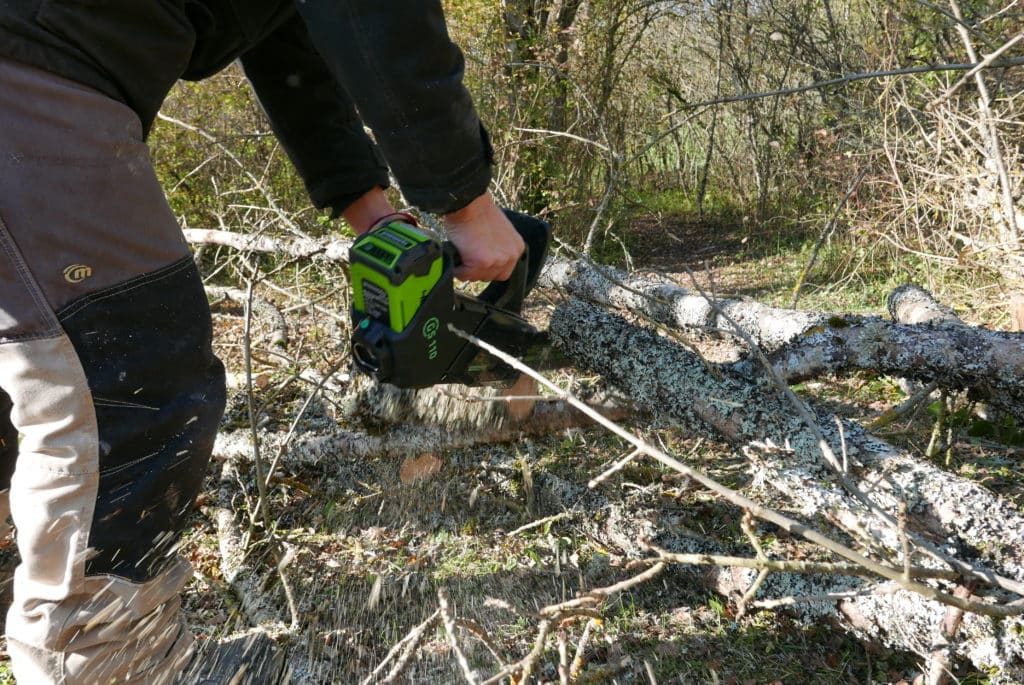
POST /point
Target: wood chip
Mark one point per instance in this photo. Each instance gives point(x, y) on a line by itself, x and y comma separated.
point(526, 389)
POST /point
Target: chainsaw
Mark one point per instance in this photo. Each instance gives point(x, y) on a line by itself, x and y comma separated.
point(404, 306)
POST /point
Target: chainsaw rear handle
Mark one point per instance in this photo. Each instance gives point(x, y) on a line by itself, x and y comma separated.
point(510, 294)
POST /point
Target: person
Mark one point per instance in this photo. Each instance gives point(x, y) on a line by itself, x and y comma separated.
point(111, 395)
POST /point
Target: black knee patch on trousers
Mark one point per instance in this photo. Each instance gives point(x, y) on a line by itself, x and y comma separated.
point(145, 346)
point(8, 442)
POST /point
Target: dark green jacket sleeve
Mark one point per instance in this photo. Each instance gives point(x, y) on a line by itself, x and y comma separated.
point(313, 117)
point(405, 76)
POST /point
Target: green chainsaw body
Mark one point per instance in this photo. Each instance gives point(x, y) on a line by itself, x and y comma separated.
point(404, 303)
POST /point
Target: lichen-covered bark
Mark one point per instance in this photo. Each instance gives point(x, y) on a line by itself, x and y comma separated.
point(331, 250)
point(966, 519)
point(955, 355)
point(333, 444)
point(809, 344)
point(673, 381)
point(913, 304)
point(879, 613)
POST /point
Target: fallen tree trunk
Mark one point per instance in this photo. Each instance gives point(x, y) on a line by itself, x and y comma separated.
point(331, 250)
point(675, 306)
point(410, 441)
point(805, 345)
point(957, 357)
point(748, 410)
point(658, 374)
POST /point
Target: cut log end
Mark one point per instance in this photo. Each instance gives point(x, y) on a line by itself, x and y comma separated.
point(913, 304)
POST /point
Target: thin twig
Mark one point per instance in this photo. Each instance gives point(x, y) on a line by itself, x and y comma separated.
point(258, 183)
point(649, 670)
point(939, 427)
point(746, 524)
point(298, 416)
point(261, 479)
point(826, 233)
point(890, 415)
point(406, 646)
point(556, 614)
point(989, 59)
point(741, 606)
point(453, 640)
point(563, 657)
point(564, 134)
point(540, 522)
point(940, 658)
point(613, 469)
point(525, 667)
point(830, 597)
point(818, 85)
point(581, 648)
point(989, 127)
point(783, 565)
point(904, 541)
point(598, 596)
point(882, 73)
point(479, 633)
point(289, 594)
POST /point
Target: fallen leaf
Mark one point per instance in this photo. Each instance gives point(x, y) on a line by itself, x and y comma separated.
point(420, 468)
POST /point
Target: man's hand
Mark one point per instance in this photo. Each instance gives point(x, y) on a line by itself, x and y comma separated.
point(487, 242)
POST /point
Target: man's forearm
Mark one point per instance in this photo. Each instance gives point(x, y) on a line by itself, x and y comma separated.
point(362, 214)
point(313, 117)
point(398, 64)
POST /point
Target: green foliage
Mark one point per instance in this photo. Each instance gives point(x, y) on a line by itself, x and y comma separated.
point(717, 605)
point(219, 163)
point(1003, 429)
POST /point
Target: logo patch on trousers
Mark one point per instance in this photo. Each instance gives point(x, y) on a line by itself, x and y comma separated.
point(76, 273)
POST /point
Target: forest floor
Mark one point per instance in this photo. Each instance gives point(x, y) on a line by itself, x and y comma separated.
point(369, 547)
point(372, 550)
